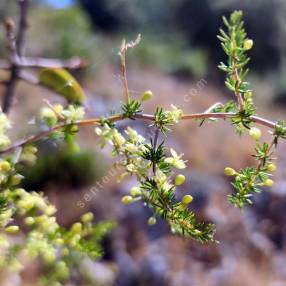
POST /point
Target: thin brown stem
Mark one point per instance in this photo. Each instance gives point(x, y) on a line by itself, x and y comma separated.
point(148, 117)
point(124, 72)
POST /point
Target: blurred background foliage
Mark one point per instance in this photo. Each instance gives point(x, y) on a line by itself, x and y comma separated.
point(178, 49)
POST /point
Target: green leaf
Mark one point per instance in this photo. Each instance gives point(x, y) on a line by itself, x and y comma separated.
point(63, 83)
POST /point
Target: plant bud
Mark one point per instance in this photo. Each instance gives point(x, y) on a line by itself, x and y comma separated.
point(50, 210)
point(180, 179)
point(16, 179)
point(135, 191)
point(248, 94)
point(29, 220)
point(76, 227)
point(59, 241)
point(229, 171)
point(5, 166)
point(255, 133)
point(65, 251)
point(152, 221)
point(13, 229)
point(271, 167)
point(49, 257)
point(268, 183)
point(248, 44)
point(187, 199)
point(88, 217)
point(147, 95)
point(127, 200)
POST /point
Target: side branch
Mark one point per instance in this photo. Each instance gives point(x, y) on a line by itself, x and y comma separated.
point(115, 118)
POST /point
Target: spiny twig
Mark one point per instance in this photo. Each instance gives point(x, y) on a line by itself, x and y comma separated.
point(149, 117)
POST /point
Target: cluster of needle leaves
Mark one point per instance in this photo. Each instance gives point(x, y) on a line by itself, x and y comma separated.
point(248, 180)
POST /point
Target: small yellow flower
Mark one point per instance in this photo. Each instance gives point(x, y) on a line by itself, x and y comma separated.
point(175, 160)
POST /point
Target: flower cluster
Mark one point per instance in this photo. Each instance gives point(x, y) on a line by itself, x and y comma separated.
point(53, 114)
point(154, 172)
point(4, 125)
point(32, 213)
point(249, 180)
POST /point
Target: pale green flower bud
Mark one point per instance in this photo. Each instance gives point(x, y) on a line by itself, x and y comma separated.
point(29, 220)
point(126, 200)
point(4, 166)
point(255, 133)
point(49, 256)
point(268, 183)
point(147, 95)
point(76, 227)
point(135, 191)
point(13, 229)
point(50, 210)
point(152, 221)
point(187, 199)
point(229, 171)
point(271, 167)
point(16, 179)
point(180, 179)
point(86, 218)
point(248, 44)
